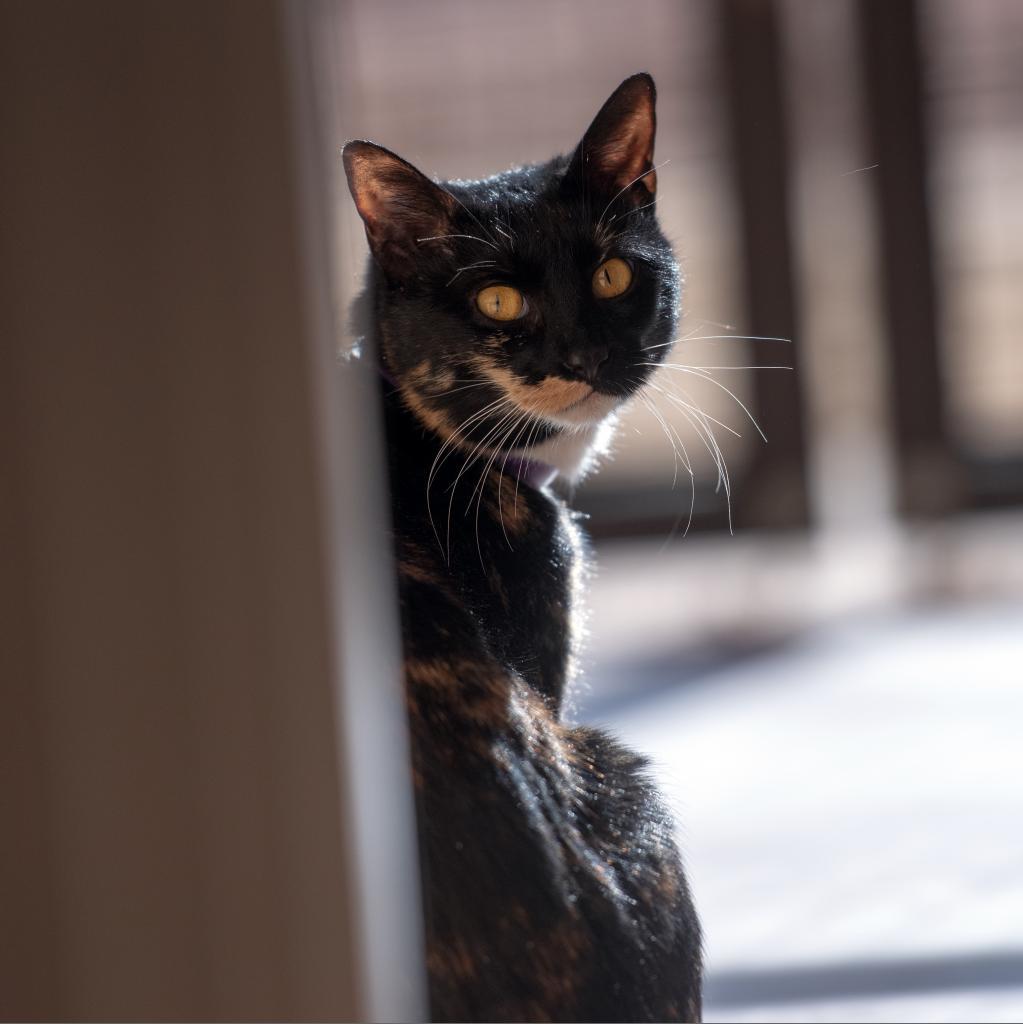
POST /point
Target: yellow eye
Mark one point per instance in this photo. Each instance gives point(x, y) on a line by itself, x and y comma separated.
point(611, 279)
point(500, 302)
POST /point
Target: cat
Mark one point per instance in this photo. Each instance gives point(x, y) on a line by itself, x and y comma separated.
point(512, 317)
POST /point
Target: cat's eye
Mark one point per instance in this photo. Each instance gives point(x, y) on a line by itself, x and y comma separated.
point(501, 302)
point(611, 279)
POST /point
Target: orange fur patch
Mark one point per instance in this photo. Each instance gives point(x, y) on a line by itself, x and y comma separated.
point(451, 959)
point(507, 506)
point(551, 396)
point(418, 572)
point(481, 696)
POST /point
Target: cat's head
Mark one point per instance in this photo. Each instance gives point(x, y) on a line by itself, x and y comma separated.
point(529, 304)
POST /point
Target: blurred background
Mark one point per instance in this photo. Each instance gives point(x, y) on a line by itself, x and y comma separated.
point(817, 637)
point(808, 606)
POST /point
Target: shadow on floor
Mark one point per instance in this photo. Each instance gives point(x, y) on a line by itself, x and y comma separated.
point(863, 978)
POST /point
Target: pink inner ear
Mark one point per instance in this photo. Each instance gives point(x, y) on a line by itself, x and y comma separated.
point(632, 153)
point(370, 204)
point(368, 200)
point(399, 205)
point(374, 200)
point(624, 156)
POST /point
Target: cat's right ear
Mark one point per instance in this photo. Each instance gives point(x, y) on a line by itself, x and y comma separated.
point(401, 208)
point(616, 156)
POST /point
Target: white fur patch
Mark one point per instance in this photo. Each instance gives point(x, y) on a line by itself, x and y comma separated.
point(575, 453)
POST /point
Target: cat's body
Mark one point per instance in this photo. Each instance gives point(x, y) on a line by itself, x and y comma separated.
point(553, 889)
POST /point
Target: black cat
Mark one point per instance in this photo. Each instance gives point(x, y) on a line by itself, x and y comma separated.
point(512, 317)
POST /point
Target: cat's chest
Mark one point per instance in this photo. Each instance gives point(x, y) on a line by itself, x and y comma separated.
point(511, 554)
point(517, 563)
point(527, 585)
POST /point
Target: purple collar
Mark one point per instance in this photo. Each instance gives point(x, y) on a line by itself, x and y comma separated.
point(535, 473)
point(530, 471)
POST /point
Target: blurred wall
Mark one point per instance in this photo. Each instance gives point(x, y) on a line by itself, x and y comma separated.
point(172, 804)
point(841, 175)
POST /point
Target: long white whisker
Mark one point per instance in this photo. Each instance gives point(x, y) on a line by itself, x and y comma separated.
point(656, 167)
point(506, 444)
point(468, 461)
point(465, 387)
point(525, 426)
point(471, 266)
point(645, 206)
point(671, 435)
point(685, 401)
point(692, 476)
point(474, 238)
point(717, 337)
point(730, 366)
point(695, 417)
point(497, 225)
point(707, 377)
point(456, 435)
point(671, 440)
point(692, 501)
point(471, 214)
point(449, 445)
point(499, 446)
point(527, 447)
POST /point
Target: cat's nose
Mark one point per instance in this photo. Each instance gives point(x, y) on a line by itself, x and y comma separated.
point(585, 363)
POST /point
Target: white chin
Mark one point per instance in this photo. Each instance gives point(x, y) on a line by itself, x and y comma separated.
point(576, 452)
point(590, 412)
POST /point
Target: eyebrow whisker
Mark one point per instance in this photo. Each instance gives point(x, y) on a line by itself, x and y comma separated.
point(471, 266)
point(474, 238)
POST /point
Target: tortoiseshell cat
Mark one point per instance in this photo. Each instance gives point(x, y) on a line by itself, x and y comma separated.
point(513, 316)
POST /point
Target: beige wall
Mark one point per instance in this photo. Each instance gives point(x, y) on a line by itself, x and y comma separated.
point(173, 838)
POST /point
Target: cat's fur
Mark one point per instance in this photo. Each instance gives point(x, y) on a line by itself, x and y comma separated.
point(553, 889)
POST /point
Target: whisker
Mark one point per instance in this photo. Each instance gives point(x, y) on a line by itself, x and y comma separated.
point(474, 238)
point(524, 425)
point(471, 266)
point(465, 387)
point(692, 477)
point(471, 214)
point(468, 462)
point(706, 435)
point(680, 402)
point(481, 483)
point(449, 445)
point(707, 377)
point(737, 337)
point(456, 434)
point(499, 447)
point(678, 522)
point(530, 442)
point(717, 337)
point(527, 448)
point(668, 433)
point(497, 226)
point(700, 422)
point(600, 219)
point(729, 366)
point(714, 323)
point(645, 206)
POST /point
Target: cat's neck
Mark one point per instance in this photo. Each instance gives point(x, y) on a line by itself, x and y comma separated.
point(574, 455)
point(571, 455)
point(532, 471)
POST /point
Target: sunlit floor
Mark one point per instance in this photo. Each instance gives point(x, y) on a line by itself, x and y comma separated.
point(852, 809)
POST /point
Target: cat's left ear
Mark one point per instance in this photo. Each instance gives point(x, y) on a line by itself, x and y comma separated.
point(616, 155)
point(401, 208)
